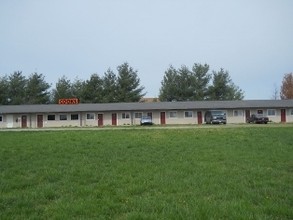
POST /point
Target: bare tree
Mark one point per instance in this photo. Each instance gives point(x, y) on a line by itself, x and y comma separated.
point(276, 93)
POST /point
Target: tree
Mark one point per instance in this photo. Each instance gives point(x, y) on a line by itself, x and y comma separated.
point(128, 84)
point(4, 85)
point(185, 85)
point(37, 90)
point(77, 89)
point(93, 90)
point(223, 88)
point(109, 87)
point(169, 86)
point(16, 88)
point(287, 87)
point(201, 81)
point(276, 93)
point(62, 90)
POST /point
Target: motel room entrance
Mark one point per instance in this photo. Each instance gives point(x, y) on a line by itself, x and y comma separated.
point(283, 115)
point(40, 121)
point(100, 120)
point(23, 121)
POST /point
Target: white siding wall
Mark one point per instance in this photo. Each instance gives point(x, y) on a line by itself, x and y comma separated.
point(178, 117)
point(289, 115)
point(233, 116)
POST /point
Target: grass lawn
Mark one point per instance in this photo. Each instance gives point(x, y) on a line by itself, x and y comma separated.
point(194, 173)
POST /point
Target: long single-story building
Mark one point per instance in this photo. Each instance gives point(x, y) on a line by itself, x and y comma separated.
point(118, 114)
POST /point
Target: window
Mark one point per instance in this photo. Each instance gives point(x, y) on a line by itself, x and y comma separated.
point(172, 114)
point(188, 114)
point(51, 117)
point(271, 112)
point(90, 116)
point(1, 118)
point(150, 114)
point(125, 115)
point(237, 113)
point(259, 112)
point(74, 117)
point(137, 114)
point(63, 117)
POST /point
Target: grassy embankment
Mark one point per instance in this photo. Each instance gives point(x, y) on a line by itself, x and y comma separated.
point(212, 173)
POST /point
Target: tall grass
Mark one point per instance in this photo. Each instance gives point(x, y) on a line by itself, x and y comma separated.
point(243, 173)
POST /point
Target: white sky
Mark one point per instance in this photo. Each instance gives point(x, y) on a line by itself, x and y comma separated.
point(252, 39)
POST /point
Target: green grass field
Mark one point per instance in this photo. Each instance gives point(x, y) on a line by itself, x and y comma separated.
point(214, 172)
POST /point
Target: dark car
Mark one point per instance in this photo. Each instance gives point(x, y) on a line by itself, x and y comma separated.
point(215, 117)
point(257, 119)
point(146, 120)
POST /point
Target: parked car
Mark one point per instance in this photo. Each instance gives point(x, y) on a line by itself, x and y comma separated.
point(257, 119)
point(215, 117)
point(146, 120)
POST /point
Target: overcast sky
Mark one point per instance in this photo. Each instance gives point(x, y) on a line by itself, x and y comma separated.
point(251, 39)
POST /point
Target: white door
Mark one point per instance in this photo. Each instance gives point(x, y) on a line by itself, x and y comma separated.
point(9, 121)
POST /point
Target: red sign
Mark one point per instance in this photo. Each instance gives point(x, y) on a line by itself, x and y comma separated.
point(72, 101)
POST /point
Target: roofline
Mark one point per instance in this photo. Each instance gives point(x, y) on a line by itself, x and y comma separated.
point(146, 106)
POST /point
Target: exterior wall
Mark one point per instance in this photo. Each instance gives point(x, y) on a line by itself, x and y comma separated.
point(124, 118)
point(235, 116)
point(89, 122)
point(11, 121)
point(179, 117)
point(32, 121)
point(134, 117)
point(173, 117)
point(58, 122)
point(107, 118)
point(3, 121)
point(276, 117)
point(94, 122)
point(156, 117)
point(289, 115)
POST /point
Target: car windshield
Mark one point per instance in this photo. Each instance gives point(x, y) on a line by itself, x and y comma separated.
point(218, 113)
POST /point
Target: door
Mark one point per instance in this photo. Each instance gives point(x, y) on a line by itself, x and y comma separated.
point(247, 115)
point(163, 118)
point(199, 118)
point(283, 115)
point(114, 119)
point(9, 119)
point(100, 120)
point(23, 121)
point(39, 121)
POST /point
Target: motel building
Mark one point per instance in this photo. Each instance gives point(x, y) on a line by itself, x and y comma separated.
point(73, 114)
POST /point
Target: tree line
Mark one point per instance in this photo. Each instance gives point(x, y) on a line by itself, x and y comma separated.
point(182, 84)
point(124, 86)
point(185, 84)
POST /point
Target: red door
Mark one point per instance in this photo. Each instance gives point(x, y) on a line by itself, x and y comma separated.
point(100, 120)
point(24, 121)
point(39, 121)
point(199, 118)
point(283, 115)
point(163, 118)
point(114, 119)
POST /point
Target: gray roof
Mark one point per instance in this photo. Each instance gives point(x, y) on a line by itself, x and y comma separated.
point(137, 106)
